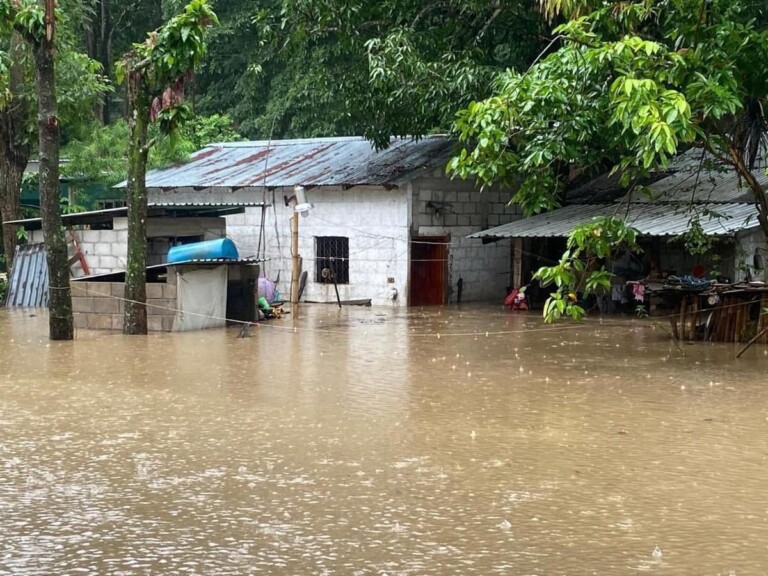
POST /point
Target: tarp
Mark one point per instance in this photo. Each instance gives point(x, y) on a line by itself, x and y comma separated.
point(202, 299)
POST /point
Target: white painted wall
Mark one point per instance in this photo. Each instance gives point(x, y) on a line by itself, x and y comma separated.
point(484, 268)
point(379, 224)
point(375, 220)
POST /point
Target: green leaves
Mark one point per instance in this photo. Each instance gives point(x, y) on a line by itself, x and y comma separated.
point(629, 85)
point(581, 270)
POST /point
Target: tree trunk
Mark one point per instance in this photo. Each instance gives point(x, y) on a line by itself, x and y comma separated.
point(135, 320)
point(60, 300)
point(105, 55)
point(760, 195)
point(14, 149)
point(11, 173)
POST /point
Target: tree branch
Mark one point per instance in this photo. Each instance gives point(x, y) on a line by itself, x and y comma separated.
point(497, 10)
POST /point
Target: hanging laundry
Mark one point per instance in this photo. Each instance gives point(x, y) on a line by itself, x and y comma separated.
point(638, 291)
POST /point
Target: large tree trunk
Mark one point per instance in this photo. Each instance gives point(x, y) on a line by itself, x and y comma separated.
point(11, 174)
point(135, 320)
point(60, 300)
point(14, 149)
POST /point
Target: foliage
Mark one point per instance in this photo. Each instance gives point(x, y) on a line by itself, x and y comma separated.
point(581, 270)
point(631, 83)
point(625, 87)
point(165, 60)
point(334, 67)
point(100, 155)
point(80, 79)
point(156, 73)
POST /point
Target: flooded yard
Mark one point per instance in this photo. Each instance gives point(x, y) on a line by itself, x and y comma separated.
point(375, 441)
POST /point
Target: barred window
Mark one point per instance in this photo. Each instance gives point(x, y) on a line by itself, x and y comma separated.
point(332, 259)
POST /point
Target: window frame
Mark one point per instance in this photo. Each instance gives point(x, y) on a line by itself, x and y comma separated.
point(332, 252)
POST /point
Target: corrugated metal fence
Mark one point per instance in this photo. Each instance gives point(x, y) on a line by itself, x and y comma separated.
point(28, 284)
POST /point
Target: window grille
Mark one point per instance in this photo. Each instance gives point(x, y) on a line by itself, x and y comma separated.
point(332, 254)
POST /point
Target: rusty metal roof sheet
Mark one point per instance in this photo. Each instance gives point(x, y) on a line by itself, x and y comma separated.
point(305, 162)
point(28, 284)
point(647, 219)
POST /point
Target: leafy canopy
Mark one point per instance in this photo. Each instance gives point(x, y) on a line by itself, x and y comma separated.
point(624, 87)
point(629, 85)
point(340, 67)
point(167, 58)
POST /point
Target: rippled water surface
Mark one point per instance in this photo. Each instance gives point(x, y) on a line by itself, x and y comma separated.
point(363, 443)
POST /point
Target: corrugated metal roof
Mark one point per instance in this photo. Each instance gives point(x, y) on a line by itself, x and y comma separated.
point(647, 219)
point(156, 210)
point(28, 284)
point(306, 162)
point(693, 176)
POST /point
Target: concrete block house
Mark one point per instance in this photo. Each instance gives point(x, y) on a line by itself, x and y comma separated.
point(390, 226)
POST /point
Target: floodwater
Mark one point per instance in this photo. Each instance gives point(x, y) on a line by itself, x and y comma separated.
point(360, 442)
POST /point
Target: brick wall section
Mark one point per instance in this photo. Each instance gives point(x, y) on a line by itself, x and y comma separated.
point(99, 305)
point(484, 268)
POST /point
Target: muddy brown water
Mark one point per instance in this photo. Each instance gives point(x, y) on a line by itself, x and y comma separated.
point(362, 443)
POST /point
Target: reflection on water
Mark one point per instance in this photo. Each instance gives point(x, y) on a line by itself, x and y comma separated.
point(363, 443)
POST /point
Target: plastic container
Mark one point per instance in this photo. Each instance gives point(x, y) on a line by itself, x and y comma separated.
point(219, 249)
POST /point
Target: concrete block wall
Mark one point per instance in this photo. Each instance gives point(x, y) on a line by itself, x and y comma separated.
point(463, 209)
point(100, 305)
point(748, 244)
point(107, 250)
point(375, 220)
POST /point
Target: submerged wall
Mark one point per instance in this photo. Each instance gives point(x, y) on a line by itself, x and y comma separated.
point(100, 305)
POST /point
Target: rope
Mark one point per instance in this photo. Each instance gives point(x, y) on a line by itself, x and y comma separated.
point(437, 335)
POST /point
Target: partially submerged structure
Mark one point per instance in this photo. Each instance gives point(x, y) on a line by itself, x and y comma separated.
point(183, 296)
point(696, 200)
point(389, 226)
point(98, 243)
point(717, 292)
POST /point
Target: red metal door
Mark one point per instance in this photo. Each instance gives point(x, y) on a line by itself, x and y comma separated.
point(429, 264)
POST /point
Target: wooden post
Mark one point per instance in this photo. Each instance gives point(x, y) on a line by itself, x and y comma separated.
point(517, 280)
point(296, 261)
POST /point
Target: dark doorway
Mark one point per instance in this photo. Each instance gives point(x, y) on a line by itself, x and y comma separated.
point(429, 270)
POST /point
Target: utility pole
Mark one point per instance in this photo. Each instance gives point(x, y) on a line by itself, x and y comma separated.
point(301, 206)
point(295, 258)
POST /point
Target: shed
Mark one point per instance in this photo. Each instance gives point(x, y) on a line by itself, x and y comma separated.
point(695, 188)
point(98, 240)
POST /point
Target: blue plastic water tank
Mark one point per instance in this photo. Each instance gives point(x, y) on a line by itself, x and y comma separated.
point(221, 248)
